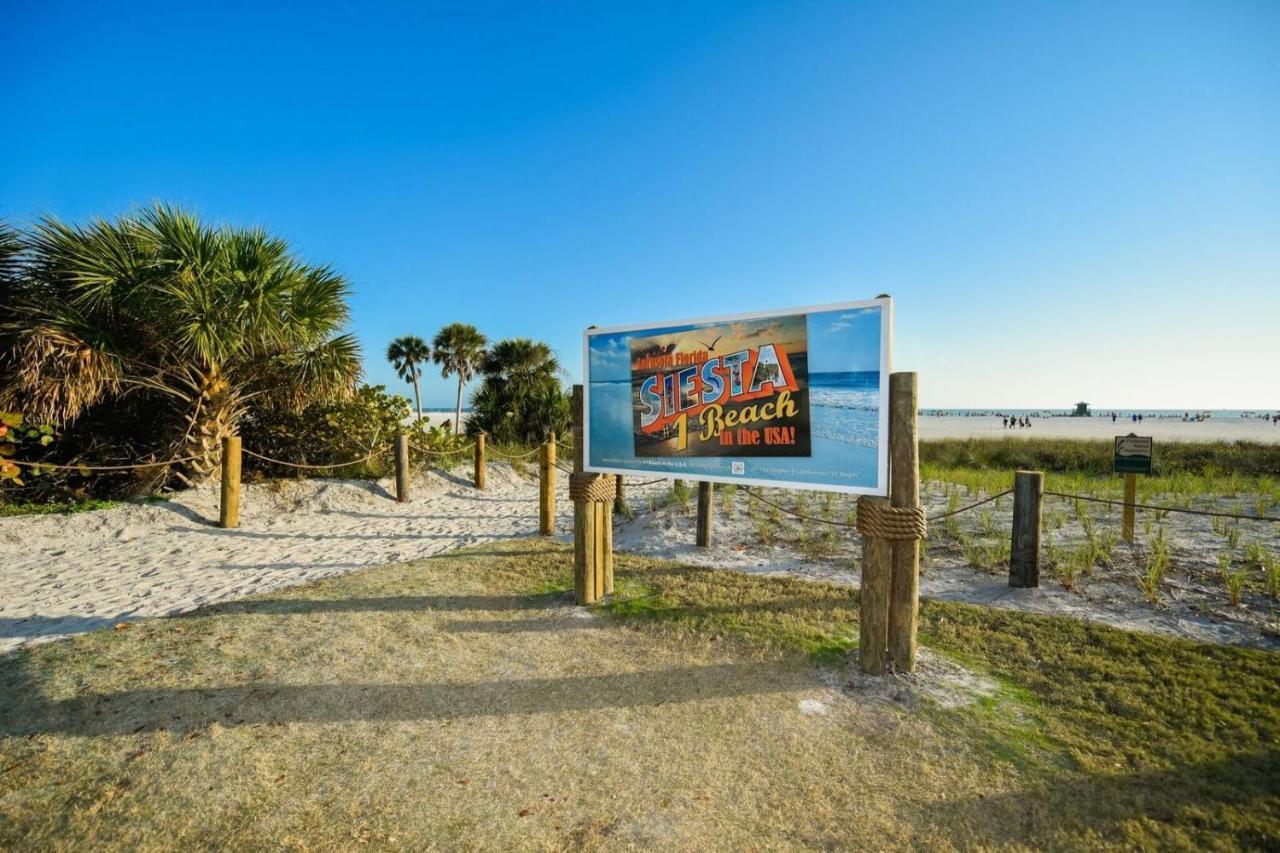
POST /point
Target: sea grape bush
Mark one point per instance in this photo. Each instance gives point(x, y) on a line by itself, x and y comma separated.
point(336, 432)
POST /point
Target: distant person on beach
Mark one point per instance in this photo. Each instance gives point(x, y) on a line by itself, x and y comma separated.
point(1006, 422)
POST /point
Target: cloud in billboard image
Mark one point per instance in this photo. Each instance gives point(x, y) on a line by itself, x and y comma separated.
point(791, 398)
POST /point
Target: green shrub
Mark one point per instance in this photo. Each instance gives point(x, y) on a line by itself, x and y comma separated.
point(329, 434)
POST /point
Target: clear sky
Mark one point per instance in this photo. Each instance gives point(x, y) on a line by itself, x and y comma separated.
point(1068, 200)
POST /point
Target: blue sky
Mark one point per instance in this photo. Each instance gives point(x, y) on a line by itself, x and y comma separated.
point(844, 340)
point(1067, 201)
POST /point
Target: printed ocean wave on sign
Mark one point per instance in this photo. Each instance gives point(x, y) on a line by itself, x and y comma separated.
point(835, 398)
point(845, 415)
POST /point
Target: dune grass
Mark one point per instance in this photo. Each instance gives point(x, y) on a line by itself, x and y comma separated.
point(10, 509)
point(460, 702)
point(1082, 456)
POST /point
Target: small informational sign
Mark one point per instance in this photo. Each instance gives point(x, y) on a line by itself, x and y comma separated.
point(795, 398)
point(1133, 454)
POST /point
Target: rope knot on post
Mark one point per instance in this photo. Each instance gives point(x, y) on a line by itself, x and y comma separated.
point(591, 488)
point(895, 523)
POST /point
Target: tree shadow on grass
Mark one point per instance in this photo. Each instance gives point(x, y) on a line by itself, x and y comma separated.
point(36, 625)
point(522, 626)
point(182, 710)
point(384, 604)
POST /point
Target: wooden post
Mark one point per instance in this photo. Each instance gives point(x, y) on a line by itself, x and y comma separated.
point(584, 518)
point(704, 514)
point(402, 468)
point(620, 490)
point(1130, 498)
point(1024, 549)
point(873, 610)
point(479, 460)
point(592, 526)
point(904, 491)
point(606, 548)
point(229, 514)
point(547, 486)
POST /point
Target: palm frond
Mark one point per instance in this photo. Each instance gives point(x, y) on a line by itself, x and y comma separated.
point(54, 375)
point(329, 370)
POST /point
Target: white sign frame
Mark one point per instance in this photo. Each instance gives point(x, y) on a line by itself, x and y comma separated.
point(881, 489)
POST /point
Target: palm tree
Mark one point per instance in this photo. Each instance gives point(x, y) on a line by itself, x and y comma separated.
point(459, 350)
point(10, 254)
point(173, 328)
point(407, 354)
point(521, 398)
point(520, 360)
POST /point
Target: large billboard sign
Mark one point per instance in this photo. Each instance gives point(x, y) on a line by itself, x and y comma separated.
point(795, 399)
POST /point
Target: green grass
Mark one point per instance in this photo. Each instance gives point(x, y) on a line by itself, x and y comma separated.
point(8, 509)
point(457, 702)
point(1213, 460)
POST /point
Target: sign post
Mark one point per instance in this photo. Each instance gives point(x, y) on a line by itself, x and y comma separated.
point(1132, 457)
point(793, 399)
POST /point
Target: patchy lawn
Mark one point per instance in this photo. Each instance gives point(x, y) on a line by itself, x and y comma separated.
point(462, 702)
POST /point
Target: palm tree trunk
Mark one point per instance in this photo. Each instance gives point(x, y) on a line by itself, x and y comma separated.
point(417, 400)
point(457, 415)
point(211, 419)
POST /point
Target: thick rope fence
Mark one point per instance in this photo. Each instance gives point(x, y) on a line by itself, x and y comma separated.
point(862, 508)
point(1159, 508)
point(316, 467)
point(81, 468)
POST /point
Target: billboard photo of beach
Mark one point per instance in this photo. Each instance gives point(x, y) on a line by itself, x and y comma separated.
point(737, 389)
point(785, 398)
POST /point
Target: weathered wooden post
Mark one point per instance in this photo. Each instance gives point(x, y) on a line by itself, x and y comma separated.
point(704, 514)
point(1130, 498)
point(877, 580)
point(904, 494)
point(1024, 549)
point(229, 512)
point(592, 496)
point(547, 486)
point(891, 532)
point(619, 494)
point(479, 450)
point(402, 468)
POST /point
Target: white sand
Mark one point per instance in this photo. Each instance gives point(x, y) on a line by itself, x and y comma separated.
point(61, 575)
point(1162, 429)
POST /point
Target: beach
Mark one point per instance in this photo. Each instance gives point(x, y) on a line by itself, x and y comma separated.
point(441, 418)
point(934, 427)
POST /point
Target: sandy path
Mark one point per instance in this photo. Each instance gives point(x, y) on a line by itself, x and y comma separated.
point(65, 574)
